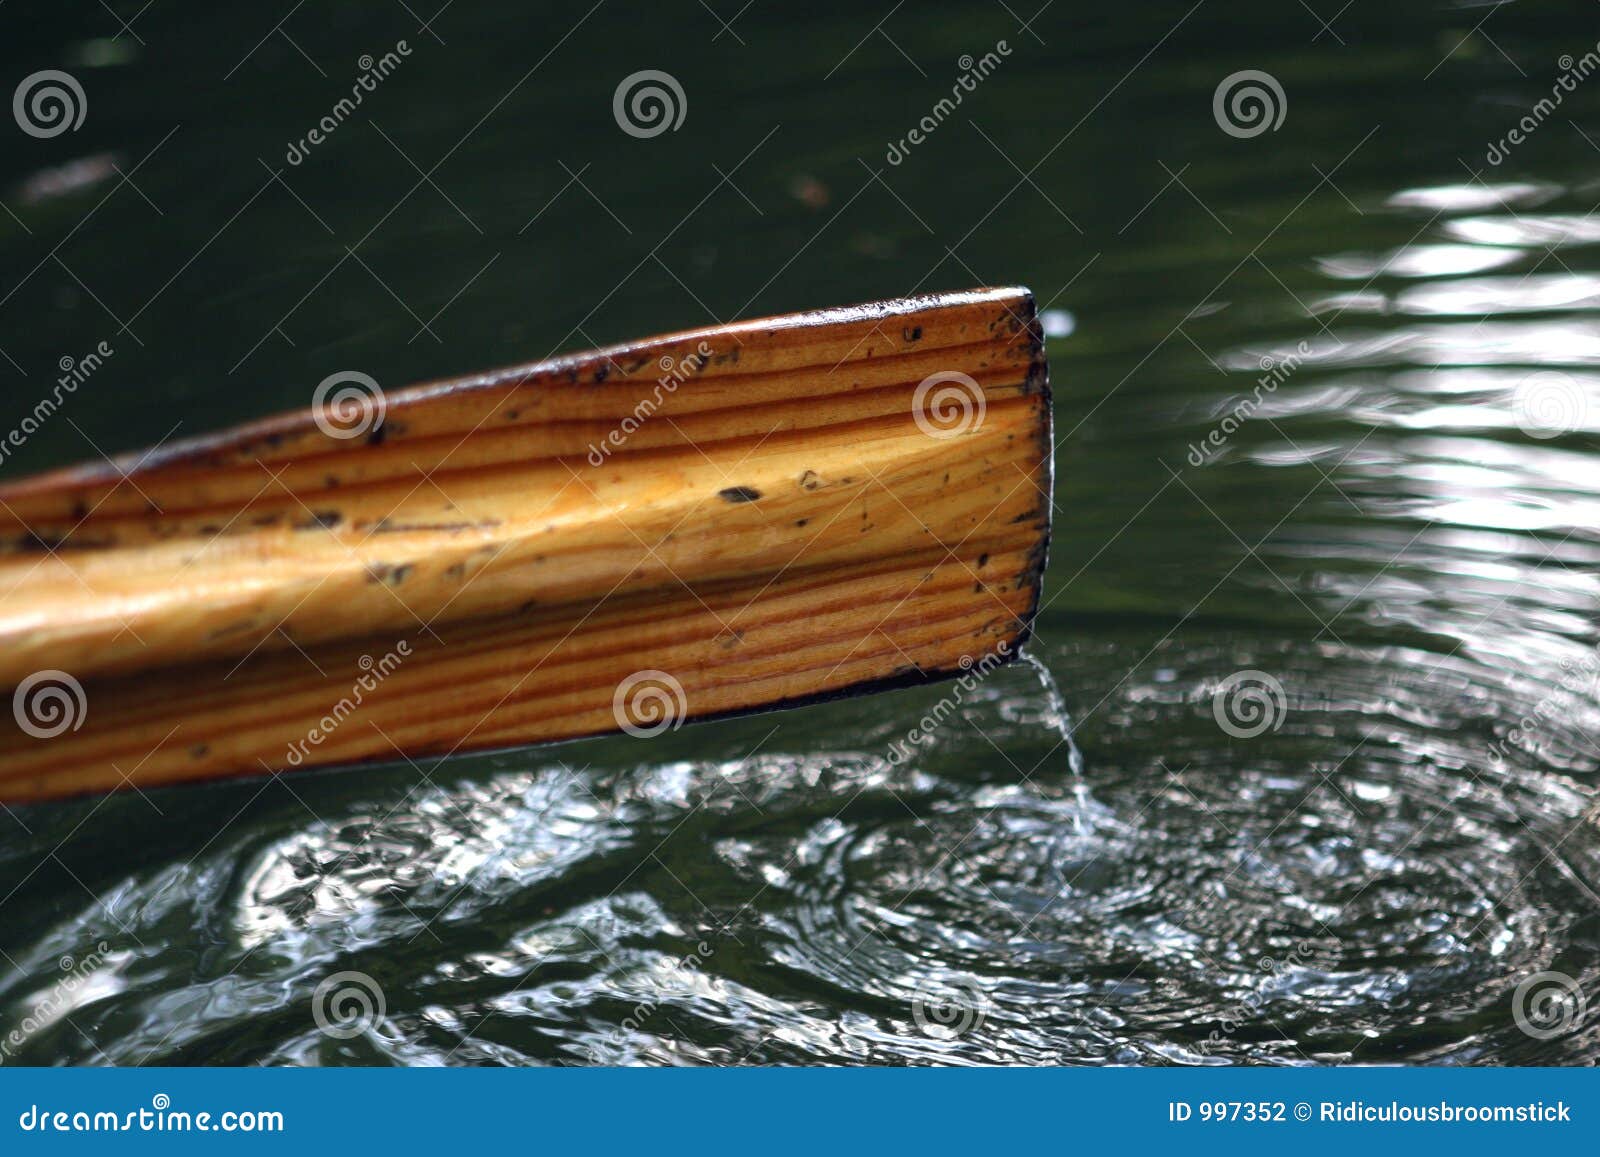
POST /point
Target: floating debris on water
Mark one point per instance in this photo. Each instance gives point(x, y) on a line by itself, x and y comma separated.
point(65, 180)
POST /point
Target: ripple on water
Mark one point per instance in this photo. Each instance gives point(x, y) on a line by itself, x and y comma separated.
point(1412, 833)
point(1205, 901)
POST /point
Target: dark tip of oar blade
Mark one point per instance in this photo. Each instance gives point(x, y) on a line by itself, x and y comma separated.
point(1038, 381)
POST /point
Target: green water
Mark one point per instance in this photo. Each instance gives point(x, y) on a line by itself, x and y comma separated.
point(1396, 549)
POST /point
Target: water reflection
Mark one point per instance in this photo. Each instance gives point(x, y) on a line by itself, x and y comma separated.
point(1401, 530)
point(1417, 261)
point(1553, 231)
point(1364, 883)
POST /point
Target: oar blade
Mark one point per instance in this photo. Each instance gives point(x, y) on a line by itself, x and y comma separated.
point(700, 525)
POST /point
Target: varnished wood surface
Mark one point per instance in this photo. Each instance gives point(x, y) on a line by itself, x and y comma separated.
point(778, 527)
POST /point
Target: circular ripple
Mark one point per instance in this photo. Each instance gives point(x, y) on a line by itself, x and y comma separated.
point(1256, 905)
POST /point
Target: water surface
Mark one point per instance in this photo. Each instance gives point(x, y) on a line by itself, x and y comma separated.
point(1330, 659)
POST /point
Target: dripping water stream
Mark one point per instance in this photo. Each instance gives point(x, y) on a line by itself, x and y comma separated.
point(1059, 721)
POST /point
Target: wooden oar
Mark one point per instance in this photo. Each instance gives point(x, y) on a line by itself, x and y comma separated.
point(732, 519)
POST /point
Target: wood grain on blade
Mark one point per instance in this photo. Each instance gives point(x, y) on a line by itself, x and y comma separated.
point(749, 516)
